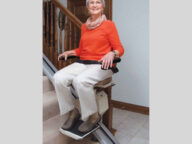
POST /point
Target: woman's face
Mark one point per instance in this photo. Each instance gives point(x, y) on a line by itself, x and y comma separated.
point(95, 7)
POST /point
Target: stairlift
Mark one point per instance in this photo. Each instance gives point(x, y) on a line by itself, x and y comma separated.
point(102, 104)
point(102, 134)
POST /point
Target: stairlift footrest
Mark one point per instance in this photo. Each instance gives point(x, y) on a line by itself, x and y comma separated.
point(75, 134)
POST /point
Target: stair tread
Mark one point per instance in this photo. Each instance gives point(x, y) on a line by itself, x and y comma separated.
point(47, 85)
point(51, 132)
point(49, 97)
point(50, 105)
point(52, 121)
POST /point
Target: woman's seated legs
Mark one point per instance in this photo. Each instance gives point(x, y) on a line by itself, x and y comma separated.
point(84, 86)
point(83, 78)
point(62, 81)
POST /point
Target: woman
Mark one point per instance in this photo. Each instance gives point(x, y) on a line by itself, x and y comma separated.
point(98, 37)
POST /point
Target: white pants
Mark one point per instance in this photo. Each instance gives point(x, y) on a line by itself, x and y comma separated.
point(83, 78)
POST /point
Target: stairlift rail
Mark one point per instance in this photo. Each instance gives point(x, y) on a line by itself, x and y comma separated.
point(104, 135)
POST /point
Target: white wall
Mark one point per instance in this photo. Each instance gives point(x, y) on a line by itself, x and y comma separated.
point(64, 2)
point(132, 21)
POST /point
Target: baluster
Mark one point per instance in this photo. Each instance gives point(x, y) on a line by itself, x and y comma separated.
point(46, 37)
point(51, 33)
point(55, 43)
point(65, 40)
point(74, 31)
point(75, 37)
point(70, 38)
point(44, 28)
point(47, 30)
point(60, 39)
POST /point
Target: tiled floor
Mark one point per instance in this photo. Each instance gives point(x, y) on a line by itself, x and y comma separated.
point(132, 128)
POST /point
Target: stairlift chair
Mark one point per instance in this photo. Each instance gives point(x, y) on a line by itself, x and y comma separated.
point(102, 103)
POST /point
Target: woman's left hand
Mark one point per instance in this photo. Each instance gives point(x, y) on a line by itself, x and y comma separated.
point(107, 60)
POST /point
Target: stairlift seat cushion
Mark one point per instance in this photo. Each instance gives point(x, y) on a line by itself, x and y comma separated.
point(105, 83)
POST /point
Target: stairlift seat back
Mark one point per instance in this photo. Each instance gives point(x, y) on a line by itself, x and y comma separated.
point(101, 96)
point(102, 102)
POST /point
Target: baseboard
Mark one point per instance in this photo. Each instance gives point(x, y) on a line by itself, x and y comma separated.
point(131, 107)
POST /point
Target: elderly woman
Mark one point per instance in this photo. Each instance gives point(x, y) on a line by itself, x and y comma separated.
point(98, 37)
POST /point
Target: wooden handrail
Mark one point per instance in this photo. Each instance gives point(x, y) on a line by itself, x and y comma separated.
point(72, 31)
point(71, 16)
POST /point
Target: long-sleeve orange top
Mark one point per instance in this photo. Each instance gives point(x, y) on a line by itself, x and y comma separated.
point(94, 44)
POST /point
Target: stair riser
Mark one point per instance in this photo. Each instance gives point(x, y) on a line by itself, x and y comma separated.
point(50, 111)
point(47, 85)
point(58, 139)
point(50, 105)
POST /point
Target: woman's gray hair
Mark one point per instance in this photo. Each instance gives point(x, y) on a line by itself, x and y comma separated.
point(103, 1)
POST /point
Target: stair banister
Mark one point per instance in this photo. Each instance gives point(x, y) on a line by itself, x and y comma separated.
point(71, 16)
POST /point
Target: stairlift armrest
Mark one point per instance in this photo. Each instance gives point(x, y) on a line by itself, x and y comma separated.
point(116, 59)
point(69, 57)
point(114, 68)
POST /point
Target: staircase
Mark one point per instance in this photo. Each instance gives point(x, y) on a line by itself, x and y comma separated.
point(52, 120)
point(70, 25)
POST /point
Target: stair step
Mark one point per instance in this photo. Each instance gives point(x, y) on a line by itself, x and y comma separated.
point(47, 85)
point(51, 134)
point(50, 105)
point(52, 121)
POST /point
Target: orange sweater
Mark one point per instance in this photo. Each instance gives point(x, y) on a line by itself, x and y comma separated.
point(94, 44)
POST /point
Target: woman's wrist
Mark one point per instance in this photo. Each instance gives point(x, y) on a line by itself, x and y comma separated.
point(114, 53)
point(71, 52)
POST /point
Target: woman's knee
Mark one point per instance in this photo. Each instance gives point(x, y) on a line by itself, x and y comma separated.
point(60, 79)
point(56, 78)
point(81, 81)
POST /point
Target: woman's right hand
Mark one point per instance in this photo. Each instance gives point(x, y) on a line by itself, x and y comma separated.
point(65, 55)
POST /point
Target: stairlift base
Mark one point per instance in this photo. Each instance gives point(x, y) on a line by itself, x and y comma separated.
point(75, 134)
